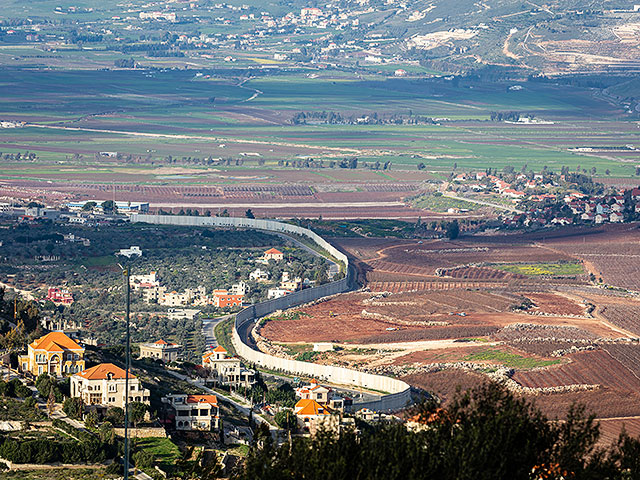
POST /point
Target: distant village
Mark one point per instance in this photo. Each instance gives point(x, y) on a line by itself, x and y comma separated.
point(546, 200)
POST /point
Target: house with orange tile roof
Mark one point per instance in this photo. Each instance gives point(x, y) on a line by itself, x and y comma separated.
point(161, 350)
point(55, 354)
point(322, 395)
point(309, 411)
point(273, 254)
point(226, 370)
point(194, 412)
point(104, 385)
point(314, 391)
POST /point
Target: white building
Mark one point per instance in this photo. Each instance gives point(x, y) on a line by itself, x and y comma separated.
point(104, 385)
point(277, 292)
point(322, 395)
point(144, 281)
point(273, 254)
point(194, 412)
point(161, 350)
point(239, 288)
point(133, 251)
point(259, 275)
point(227, 370)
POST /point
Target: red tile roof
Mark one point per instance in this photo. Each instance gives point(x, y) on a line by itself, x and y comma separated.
point(55, 342)
point(309, 407)
point(210, 399)
point(100, 372)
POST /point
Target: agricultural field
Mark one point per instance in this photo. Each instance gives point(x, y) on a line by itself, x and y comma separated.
point(518, 308)
point(180, 138)
point(611, 254)
point(543, 269)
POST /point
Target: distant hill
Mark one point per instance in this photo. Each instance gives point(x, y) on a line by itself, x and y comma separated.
point(554, 37)
point(559, 36)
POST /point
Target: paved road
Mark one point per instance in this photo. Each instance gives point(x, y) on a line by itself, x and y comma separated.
point(208, 328)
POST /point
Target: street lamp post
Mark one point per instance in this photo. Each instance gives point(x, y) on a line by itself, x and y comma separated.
point(125, 272)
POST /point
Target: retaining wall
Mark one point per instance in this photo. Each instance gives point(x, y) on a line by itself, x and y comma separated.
point(399, 394)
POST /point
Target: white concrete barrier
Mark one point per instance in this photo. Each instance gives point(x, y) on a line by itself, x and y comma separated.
point(397, 394)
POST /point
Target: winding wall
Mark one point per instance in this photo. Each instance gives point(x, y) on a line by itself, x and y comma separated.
point(398, 395)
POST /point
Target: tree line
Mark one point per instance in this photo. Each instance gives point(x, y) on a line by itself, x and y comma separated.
point(487, 434)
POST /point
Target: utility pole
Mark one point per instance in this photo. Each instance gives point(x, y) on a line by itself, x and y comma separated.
point(126, 378)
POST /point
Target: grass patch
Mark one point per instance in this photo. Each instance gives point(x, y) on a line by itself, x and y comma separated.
point(308, 356)
point(293, 349)
point(239, 450)
point(295, 315)
point(164, 450)
point(103, 261)
point(508, 359)
point(440, 203)
point(223, 332)
point(542, 269)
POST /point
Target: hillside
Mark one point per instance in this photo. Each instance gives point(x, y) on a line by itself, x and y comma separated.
point(556, 37)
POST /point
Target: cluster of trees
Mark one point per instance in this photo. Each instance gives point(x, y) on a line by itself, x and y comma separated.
point(25, 410)
point(336, 118)
point(88, 448)
point(509, 116)
point(77, 37)
point(19, 321)
point(14, 388)
point(282, 395)
point(351, 163)
point(487, 433)
point(16, 157)
point(450, 229)
point(108, 206)
point(124, 63)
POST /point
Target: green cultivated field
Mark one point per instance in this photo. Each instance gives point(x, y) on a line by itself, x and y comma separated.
point(543, 269)
point(508, 359)
point(435, 203)
point(153, 114)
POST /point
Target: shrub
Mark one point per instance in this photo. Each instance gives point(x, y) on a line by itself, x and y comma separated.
point(22, 391)
point(286, 419)
point(115, 415)
point(143, 459)
point(73, 408)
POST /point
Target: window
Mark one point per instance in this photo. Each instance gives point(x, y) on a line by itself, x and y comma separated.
point(113, 387)
point(183, 413)
point(204, 412)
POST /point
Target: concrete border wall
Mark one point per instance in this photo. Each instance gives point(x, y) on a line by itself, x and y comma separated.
point(399, 394)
